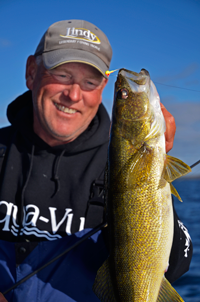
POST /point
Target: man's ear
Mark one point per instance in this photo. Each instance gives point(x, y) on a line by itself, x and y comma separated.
point(105, 81)
point(31, 70)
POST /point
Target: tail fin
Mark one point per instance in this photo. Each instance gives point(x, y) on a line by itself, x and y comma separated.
point(167, 293)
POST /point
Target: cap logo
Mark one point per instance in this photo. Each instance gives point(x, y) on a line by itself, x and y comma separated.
point(81, 34)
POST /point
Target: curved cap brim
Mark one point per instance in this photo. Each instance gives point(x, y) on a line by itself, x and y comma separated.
point(57, 57)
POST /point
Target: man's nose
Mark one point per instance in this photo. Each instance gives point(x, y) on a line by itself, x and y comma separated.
point(74, 92)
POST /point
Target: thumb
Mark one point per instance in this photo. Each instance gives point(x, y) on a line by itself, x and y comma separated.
point(2, 298)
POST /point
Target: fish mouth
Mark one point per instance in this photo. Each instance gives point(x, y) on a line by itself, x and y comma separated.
point(64, 108)
point(136, 81)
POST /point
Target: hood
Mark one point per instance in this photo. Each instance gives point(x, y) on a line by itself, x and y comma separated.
point(56, 181)
point(20, 115)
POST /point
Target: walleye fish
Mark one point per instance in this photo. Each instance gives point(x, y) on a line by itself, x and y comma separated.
point(138, 189)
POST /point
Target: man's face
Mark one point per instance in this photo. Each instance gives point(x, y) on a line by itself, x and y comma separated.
point(65, 99)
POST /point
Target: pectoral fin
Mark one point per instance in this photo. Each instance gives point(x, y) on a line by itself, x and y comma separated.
point(167, 293)
point(102, 286)
point(139, 167)
point(174, 168)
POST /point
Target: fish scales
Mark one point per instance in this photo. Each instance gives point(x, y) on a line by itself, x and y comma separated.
point(138, 236)
point(139, 206)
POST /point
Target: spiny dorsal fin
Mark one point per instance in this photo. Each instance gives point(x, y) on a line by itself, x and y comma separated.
point(167, 293)
point(174, 168)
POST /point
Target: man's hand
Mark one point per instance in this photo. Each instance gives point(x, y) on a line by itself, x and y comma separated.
point(2, 299)
point(170, 128)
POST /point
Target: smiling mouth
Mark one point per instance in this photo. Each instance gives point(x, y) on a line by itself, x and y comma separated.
point(65, 109)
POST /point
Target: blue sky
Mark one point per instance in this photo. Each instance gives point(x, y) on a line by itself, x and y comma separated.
point(160, 36)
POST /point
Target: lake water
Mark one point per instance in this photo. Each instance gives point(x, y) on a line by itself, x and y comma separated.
point(188, 286)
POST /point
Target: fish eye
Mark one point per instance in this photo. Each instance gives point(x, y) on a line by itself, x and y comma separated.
point(123, 93)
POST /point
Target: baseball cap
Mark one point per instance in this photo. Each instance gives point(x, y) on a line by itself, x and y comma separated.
point(75, 41)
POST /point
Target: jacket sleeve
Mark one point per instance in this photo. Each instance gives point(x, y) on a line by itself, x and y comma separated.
point(181, 252)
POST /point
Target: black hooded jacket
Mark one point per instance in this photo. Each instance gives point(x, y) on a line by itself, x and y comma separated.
point(54, 184)
point(49, 192)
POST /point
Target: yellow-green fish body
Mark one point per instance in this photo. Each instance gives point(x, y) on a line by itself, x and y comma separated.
point(139, 206)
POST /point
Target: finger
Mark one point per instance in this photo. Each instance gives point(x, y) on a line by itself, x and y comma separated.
point(170, 128)
point(2, 298)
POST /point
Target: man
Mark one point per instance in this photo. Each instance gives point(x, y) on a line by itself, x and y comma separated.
point(54, 156)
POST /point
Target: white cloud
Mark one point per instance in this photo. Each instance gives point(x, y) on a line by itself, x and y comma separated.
point(187, 138)
point(5, 43)
point(185, 73)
